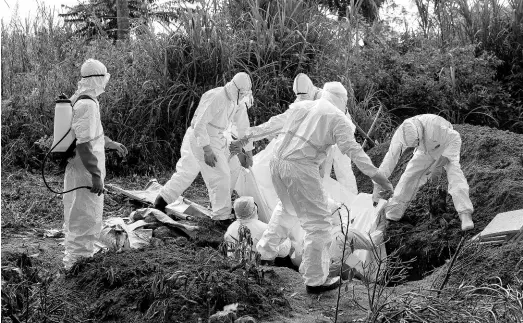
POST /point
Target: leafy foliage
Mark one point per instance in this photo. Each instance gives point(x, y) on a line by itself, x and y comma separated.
point(158, 79)
point(99, 17)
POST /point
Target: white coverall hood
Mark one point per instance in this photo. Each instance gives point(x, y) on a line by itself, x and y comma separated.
point(94, 79)
point(239, 89)
point(245, 209)
point(304, 89)
point(410, 133)
point(335, 93)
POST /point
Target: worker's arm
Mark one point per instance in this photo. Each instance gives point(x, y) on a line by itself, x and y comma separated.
point(269, 128)
point(210, 105)
point(344, 138)
point(84, 125)
point(347, 144)
point(241, 120)
point(393, 154)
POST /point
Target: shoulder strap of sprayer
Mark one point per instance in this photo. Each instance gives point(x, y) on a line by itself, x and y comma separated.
point(82, 97)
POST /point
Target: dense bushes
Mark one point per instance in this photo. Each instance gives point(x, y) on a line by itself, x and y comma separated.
point(157, 79)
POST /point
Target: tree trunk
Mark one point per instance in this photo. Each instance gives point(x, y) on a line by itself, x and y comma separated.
point(122, 13)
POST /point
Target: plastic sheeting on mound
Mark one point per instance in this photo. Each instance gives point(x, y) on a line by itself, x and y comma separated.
point(147, 195)
point(182, 208)
point(505, 227)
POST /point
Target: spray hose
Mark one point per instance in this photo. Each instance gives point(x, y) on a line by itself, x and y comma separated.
point(43, 168)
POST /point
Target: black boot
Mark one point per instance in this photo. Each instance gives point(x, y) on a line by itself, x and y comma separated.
point(330, 284)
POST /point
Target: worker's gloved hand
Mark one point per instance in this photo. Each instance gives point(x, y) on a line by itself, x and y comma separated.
point(383, 182)
point(248, 157)
point(438, 169)
point(245, 159)
point(236, 146)
point(466, 221)
point(208, 154)
point(435, 175)
point(98, 185)
point(160, 203)
point(121, 150)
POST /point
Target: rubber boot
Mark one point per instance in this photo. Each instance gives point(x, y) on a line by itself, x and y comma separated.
point(330, 284)
point(466, 221)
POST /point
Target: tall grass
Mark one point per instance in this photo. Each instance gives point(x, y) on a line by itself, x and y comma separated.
point(157, 79)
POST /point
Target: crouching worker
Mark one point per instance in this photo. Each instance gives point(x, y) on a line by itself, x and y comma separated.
point(247, 215)
point(437, 146)
point(83, 208)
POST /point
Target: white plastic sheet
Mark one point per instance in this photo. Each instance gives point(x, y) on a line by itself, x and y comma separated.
point(248, 186)
point(262, 174)
point(368, 223)
point(117, 235)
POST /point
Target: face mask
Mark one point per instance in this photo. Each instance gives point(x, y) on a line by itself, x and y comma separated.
point(242, 94)
point(248, 100)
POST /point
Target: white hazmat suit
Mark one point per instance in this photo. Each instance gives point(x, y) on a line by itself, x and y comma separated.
point(205, 140)
point(437, 145)
point(82, 208)
point(246, 213)
point(304, 90)
point(309, 129)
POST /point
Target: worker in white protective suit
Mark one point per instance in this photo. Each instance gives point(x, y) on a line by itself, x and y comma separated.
point(204, 147)
point(310, 128)
point(246, 213)
point(304, 90)
point(437, 146)
point(83, 208)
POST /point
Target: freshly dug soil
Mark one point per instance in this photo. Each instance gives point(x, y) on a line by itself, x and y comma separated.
point(479, 265)
point(492, 161)
point(172, 281)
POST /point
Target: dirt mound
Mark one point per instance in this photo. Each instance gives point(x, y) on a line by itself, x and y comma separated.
point(492, 161)
point(172, 282)
point(478, 265)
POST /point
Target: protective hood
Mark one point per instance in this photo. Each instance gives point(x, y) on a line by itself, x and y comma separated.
point(303, 88)
point(94, 79)
point(335, 93)
point(410, 133)
point(239, 89)
point(245, 208)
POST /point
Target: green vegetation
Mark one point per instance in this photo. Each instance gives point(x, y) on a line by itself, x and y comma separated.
point(465, 64)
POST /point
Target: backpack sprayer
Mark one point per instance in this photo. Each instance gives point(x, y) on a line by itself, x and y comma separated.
point(63, 117)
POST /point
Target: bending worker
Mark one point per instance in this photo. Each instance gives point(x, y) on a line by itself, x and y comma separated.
point(246, 213)
point(309, 129)
point(204, 147)
point(82, 208)
point(437, 146)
